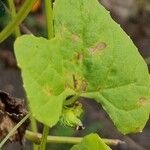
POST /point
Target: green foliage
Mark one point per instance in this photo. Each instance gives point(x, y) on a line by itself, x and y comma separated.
point(70, 116)
point(92, 141)
point(91, 55)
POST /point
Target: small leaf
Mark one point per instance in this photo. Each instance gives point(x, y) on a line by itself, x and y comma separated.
point(92, 141)
point(42, 73)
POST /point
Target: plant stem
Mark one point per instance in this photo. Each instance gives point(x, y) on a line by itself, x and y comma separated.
point(22, 26)
point(34, 129)
point(13, 14)
point(20, 16)
point(13, 130)
point(44, 137)
point(49, 18)
point(36, 138)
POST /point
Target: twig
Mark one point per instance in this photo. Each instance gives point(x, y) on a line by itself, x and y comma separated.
point(22, 26)
point(36, 138)
point(13, 130)
point(20, 16)
point(25, 29)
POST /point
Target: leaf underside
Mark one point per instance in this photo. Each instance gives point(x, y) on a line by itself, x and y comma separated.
point(91, 54)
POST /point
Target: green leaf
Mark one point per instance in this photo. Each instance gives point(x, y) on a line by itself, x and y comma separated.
point(41, 65)
point(116, 75)
point(70, 116)
point(91, 55)
point(92, 141)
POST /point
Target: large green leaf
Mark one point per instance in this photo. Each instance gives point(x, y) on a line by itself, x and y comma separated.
point(91, 55)
point(116, 75)
point(92, 141)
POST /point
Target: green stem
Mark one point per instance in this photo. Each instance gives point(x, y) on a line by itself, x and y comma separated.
point(13, 14)
point(49, 18)
point(36, 138)
point(20, 16)
point(44, 137)
point(13, 130)
point(22, 26)
point(34, 129)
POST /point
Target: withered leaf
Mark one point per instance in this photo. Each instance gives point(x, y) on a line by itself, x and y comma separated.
point(12, 111)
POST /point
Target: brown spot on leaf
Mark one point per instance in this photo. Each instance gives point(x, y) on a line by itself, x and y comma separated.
point(12, 111)
point(66, 85)
point(84, 85)
point(138, 129)
point(74, 81)
point(63, 30)
point(48, 91)
point(98, 88)
point(143, 101)
point(75, 38)
point(80, 57)
point(98, 47)
point(79, 83)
